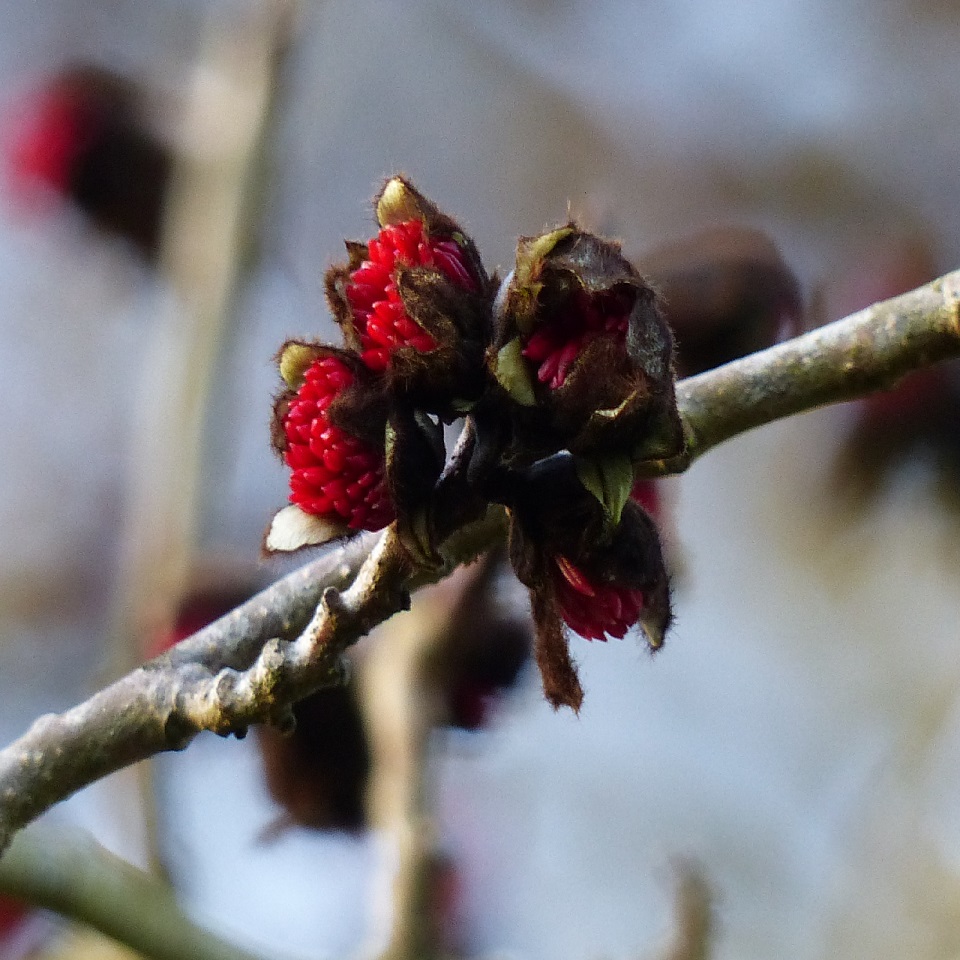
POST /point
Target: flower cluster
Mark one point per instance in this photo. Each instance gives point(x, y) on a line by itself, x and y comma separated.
point(351, 421)
point(565, 373)
point(376, 307)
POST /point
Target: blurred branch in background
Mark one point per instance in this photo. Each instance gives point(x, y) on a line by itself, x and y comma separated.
point(430, 670)
point(694, 921)
point(402, 708)
point(208, 223)
point(75, 876)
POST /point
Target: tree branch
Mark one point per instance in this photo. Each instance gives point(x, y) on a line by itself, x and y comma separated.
point(251, 665)
point(78, 878)
point(868, 351)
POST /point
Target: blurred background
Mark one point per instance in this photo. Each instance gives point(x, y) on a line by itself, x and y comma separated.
point(177, 176)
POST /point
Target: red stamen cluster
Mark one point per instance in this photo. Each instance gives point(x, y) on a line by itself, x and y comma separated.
point(335, 474)
point(381, 319)
point(594, 610)
point(584, 317)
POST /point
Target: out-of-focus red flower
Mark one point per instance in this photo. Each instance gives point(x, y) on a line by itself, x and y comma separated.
point(83, 136)
point(49, 138)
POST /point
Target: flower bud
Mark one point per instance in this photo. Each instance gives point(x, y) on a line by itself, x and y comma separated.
point(597, 578)
point(582, 350)
point(414, 302)
point(337, 484)
point(591, 608)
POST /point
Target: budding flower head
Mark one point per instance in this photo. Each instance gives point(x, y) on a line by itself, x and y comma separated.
point(414, 302)
point(337, 483)
point(596, 579)
point(580, 320)
point(615, 583)
point(582, 350)
point(568, 382)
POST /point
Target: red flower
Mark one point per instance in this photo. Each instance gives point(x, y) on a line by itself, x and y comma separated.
point(335, 475)
point(380, 317)
point(51, 135)
point(594, 610)
point(584, 317)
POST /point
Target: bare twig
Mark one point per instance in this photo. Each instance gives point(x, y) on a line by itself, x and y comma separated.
point(204, 241)
point(245, 668)
point(405, 682)
point(870, 350)
point(75, 876)
point(694, 922)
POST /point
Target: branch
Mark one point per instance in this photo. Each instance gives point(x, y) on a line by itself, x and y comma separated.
point(694, 922)
point(286, 642)
point(404, 682)
point(868, 351)
point(80, 879)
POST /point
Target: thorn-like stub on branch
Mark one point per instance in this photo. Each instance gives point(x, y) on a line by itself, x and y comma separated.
point(272, 659)
point(224, 687)
point(332, 602)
